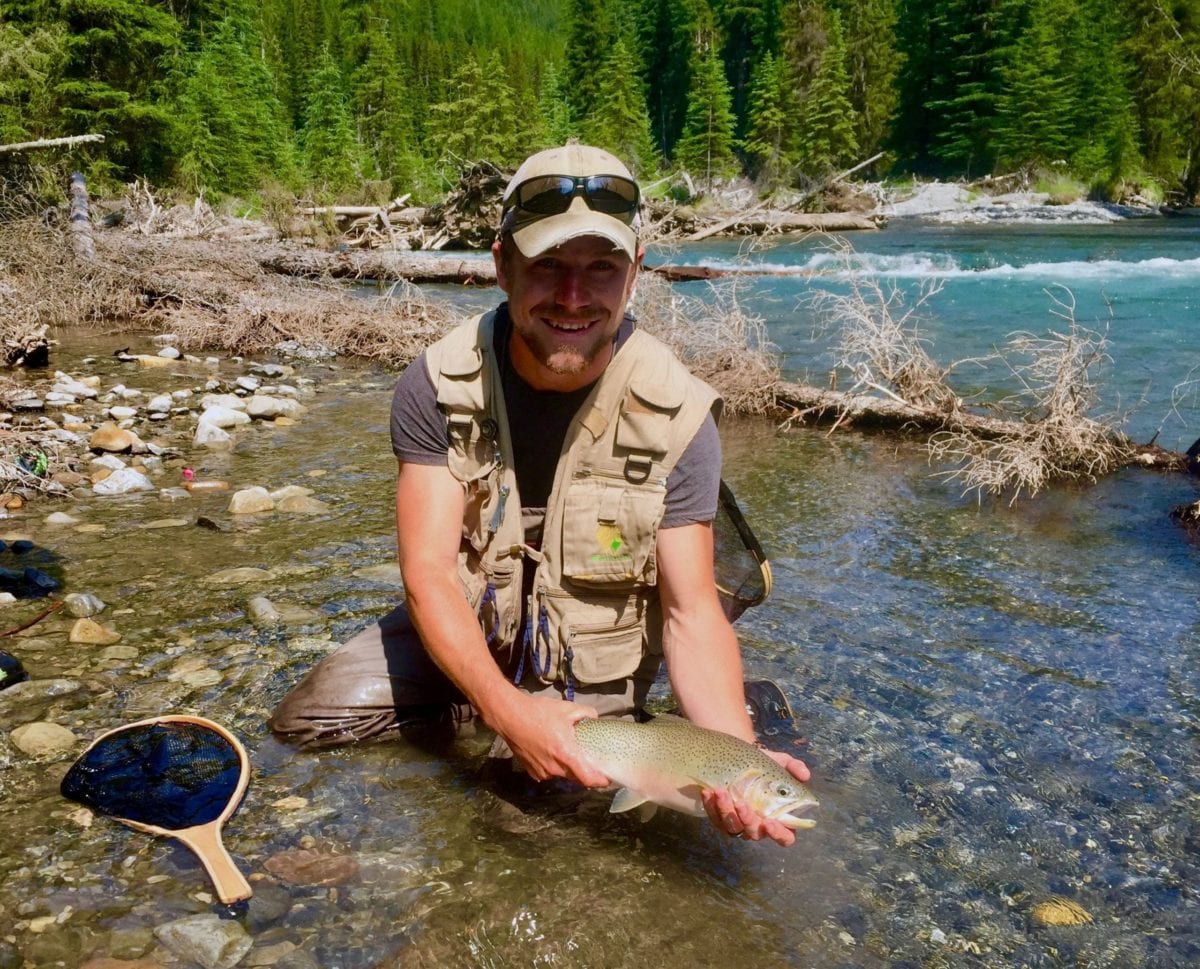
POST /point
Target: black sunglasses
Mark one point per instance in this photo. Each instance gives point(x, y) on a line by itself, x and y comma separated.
point(552, 194)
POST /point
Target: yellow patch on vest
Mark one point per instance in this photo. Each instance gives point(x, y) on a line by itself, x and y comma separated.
point(611, 541)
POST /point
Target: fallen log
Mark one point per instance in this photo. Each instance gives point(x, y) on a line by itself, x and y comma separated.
point(80, 223)
point(50, 142)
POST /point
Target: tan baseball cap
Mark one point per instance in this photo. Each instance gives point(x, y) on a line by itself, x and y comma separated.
point(534, 232)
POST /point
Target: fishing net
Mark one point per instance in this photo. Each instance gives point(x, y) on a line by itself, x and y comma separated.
point(742, 571)
point(171, 775)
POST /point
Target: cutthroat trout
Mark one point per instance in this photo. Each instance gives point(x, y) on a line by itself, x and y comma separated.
point(668, 761)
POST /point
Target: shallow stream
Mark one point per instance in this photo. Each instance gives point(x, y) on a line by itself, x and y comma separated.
point(999, 705)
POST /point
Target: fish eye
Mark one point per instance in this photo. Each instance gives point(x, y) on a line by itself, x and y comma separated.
point(783, 790)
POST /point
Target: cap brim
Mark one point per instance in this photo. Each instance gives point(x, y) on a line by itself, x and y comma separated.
point(546, 233)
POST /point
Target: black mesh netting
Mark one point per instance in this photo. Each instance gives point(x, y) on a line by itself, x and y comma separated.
point(173, 775)
point(742, 571)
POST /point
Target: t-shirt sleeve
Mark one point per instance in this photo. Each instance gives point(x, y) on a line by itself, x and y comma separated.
point(695, 481)
point(419, 431)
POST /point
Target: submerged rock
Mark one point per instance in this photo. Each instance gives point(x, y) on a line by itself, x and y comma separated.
point(212, 942)
point(251, 501)
point(43, 740)
point(91, 633)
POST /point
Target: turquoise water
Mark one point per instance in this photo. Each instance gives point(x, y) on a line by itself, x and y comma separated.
point(1137, 282)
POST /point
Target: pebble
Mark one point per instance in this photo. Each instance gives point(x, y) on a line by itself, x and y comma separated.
point(251, 501)
point(83, 604)
point(212, 942)
point(60, 518)
point(123, 482)
point(42, 739)
point(89, 632)
point(262, 611)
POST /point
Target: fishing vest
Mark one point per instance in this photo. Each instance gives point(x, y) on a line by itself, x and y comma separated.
point(593, 615)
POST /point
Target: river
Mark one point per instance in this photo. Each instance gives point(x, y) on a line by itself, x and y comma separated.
point(999, 703)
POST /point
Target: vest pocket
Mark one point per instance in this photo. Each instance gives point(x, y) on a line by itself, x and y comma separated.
point(494, 596)
point(600, 654)
point(609, 532)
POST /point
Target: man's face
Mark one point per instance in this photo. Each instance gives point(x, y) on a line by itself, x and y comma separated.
point(566, 306)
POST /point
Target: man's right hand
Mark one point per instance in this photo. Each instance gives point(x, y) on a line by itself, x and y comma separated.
point(541, 732)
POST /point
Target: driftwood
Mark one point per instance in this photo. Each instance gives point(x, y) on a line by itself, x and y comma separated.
point(50, 142)
point(81, 219)
point(812, 405)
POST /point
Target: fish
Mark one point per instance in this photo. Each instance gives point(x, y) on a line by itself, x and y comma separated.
point(667, 761)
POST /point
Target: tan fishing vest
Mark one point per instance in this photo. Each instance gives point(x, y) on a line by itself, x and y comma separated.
point(593, 616)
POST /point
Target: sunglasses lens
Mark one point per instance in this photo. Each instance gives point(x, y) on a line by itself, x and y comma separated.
point(552, 194)
point(611, 194)
point(547, 195)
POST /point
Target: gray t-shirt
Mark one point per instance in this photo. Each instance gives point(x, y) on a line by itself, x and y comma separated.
point(538, 423)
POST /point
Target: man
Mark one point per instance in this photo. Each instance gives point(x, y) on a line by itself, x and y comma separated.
point(558, 479)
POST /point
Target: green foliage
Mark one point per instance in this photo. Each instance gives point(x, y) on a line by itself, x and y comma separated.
point(873, 61)
point(767, 138)
point(30, 61)
point(618, 120)
point(706, 147)
point(329, 150)
point(477, 123)
point(824, 135)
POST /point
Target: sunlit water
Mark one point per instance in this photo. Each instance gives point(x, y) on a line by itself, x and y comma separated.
point(999, 703)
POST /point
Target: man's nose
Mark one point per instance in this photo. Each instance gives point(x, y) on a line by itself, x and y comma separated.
point(572, 289)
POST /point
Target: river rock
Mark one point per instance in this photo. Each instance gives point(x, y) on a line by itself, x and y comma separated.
point(304, 866)
point(60, 518)
point(251, 501)
point(170, 353)
point(247, 382)
point(83, 604)
point(302, 505)
point(225, 417)
point(232, 401)
point(160, 404)
point(173, 494)
point(239, 576)
point(110, 461)
point(150, 360)
point(209, 435)
point(43, 740)
point(109, 437)
point(123, 482)
point(262, 611)
point(120, 653)
point(66, 384)
point(268, 408)
point(122, 413)
point(89, 632)
point(213, 942)
point(288, 491)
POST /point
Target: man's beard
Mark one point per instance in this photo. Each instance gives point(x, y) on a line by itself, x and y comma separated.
point(563, 357)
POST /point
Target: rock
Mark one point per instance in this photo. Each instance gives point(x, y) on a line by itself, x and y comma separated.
point(89, 632)
point(197, 679)
point(268, 408)
point(269, 955)
point(147, 360)
point(209, 435)
point(160, 404)
point(268, 904)
point(307, 867)
point(109, 437)
point(123, 482)
point(69, 479)
point(83, 604)
point(231, 401)
point(302, 505)
point(10, 956)
point(240, 576)
point(109, 962)
point(120, 653)
point(110, 461)
point(224, 417)
point(43, 740)
point(122, 413)
point(167, 523)
point(289, 490)
point(66, 384)
point(173, 494)
point(251, 501)
point(170, 353)
point(262, 611)
point(247, 383)
point(298, 959)
point(130, 943)
point(212, 942)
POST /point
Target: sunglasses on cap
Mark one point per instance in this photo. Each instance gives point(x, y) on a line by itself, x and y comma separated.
point(552, 194)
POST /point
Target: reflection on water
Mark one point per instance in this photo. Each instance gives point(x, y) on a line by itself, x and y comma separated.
point(999, 705)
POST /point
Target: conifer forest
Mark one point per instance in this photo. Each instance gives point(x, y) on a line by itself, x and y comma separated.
point(350, 99)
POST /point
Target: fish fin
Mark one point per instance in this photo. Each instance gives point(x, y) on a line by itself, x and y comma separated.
point(627, 800)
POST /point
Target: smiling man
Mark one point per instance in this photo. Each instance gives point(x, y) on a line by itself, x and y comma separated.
point(558, 479)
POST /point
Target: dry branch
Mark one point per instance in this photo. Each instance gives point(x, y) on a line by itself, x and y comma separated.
point(50, 142)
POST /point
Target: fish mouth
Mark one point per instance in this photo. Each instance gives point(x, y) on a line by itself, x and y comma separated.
point(790, 816)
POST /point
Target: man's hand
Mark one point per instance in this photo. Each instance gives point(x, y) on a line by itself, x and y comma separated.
point(738, 820)
point(541, 732)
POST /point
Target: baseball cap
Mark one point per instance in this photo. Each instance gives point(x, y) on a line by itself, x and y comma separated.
point(534, 232)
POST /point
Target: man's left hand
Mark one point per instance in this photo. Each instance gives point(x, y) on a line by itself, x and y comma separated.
point(739, 820)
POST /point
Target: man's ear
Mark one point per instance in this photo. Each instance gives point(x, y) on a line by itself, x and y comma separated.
point(498, 259)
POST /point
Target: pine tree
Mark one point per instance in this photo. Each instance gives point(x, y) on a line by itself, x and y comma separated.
point(476, 122)
point(32, 58)
point(664, 43)
point(330, 152)
point(554, 110)
point(231, 128)
point(751, 30)
point(117, 56)
point(380, 97)
point(873, 61)
point(590, 38)
point(1034, 109)
point(769, 126)
point(825, 124)
point(619, 121)
point(706, 146)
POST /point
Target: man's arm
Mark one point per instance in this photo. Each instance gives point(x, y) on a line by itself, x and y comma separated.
point(429, 513)
point(705, 666)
